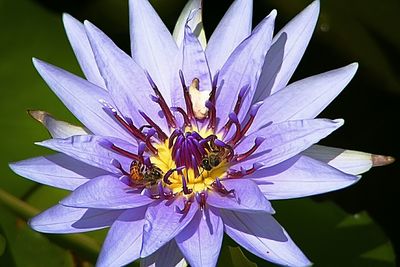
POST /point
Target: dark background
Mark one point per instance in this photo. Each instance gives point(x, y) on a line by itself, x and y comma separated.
point(348, 31)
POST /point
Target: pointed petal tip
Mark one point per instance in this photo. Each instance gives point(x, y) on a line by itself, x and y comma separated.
point(381, 160)
point(38, 115)
point(273, 13)
point(339, 122)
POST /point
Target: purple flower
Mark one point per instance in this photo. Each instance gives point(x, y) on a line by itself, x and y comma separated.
point(186, 140)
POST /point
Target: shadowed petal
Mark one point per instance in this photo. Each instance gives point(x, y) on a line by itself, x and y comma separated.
point(152, 45)
point(300, 176)
point(60, 219)
point(57, 128)
point(92, 150)
point(247, 197)
point(285, 140)
point(82, 98)
point(83, 52)
point(242, 69)
point(163, 223)
point(167, 256)
point(196, 23)
point(261, 235)
point(200, 242)
point(348, 161)
point(126, 81)
point(234, 27)
point(304, 99)
point(124, 239)
point(286, 52)
point(56, 170)
point(105, 192)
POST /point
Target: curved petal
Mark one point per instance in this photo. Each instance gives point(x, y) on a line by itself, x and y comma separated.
point(195, 23)
point(56, 170)
point(152, 45)
point(300, 176)
point(163, 223)
point(200, 242)
point(194, 62)
point(286, 52)
point(247, 197)
point(167, 256)
point(126, 81)
point(262, 235)
point(242, 69)
point(60, 219)
point(57, 128)
point(93, 150)
point(105, 192)
point(284, 140)
point(83, 52)
point(348, 161)
point(304, 99)
point(124, 239)
point(234, 27)
point(82, 98)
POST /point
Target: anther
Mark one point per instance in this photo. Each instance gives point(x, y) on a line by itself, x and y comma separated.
point(253, 112)
point(201, 199)
point(244, 172)
point(188, 101)
point(185, 189)
point(161, 135)
point(128, 126)
point(166, 111)
point(185, 209)
point(257, 142)
point(219, 187)
point(118, 165)
point(186, 119)
point(149, 145)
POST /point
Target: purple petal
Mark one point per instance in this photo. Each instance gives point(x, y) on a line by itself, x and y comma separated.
point(167, 256)
point(242, 69)
point(61, 219)
point(124, 239)
point(83, 52)
point(286, 52)
point(262, 235)
point(234, 27)
point(285, 140)
point(56, 170)
point(152, 45)
point(194, 62)
point(82, 99)
point(195, 23)
point(300, 176)
point(91, 149)
point(126, 81)
point(247, 197)
point(348, 161)
point(105, 192)
point(304, 99)
point(200, 242)
point(163, 223)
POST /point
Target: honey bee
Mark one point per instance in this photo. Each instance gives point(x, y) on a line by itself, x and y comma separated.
point(216, 155)
point(211, 161)
point(141, 174)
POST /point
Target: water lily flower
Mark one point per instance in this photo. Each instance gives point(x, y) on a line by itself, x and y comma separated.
point(187, 139)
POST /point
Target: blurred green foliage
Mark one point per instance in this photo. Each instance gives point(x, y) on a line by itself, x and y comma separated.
point(347, 31)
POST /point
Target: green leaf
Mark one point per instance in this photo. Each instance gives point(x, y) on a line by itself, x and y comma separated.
point(27, 248)
point(325, 233)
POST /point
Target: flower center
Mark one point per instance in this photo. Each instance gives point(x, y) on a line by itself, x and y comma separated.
point(193, 159)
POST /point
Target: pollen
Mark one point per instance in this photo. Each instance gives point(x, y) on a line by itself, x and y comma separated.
point(194, 176)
